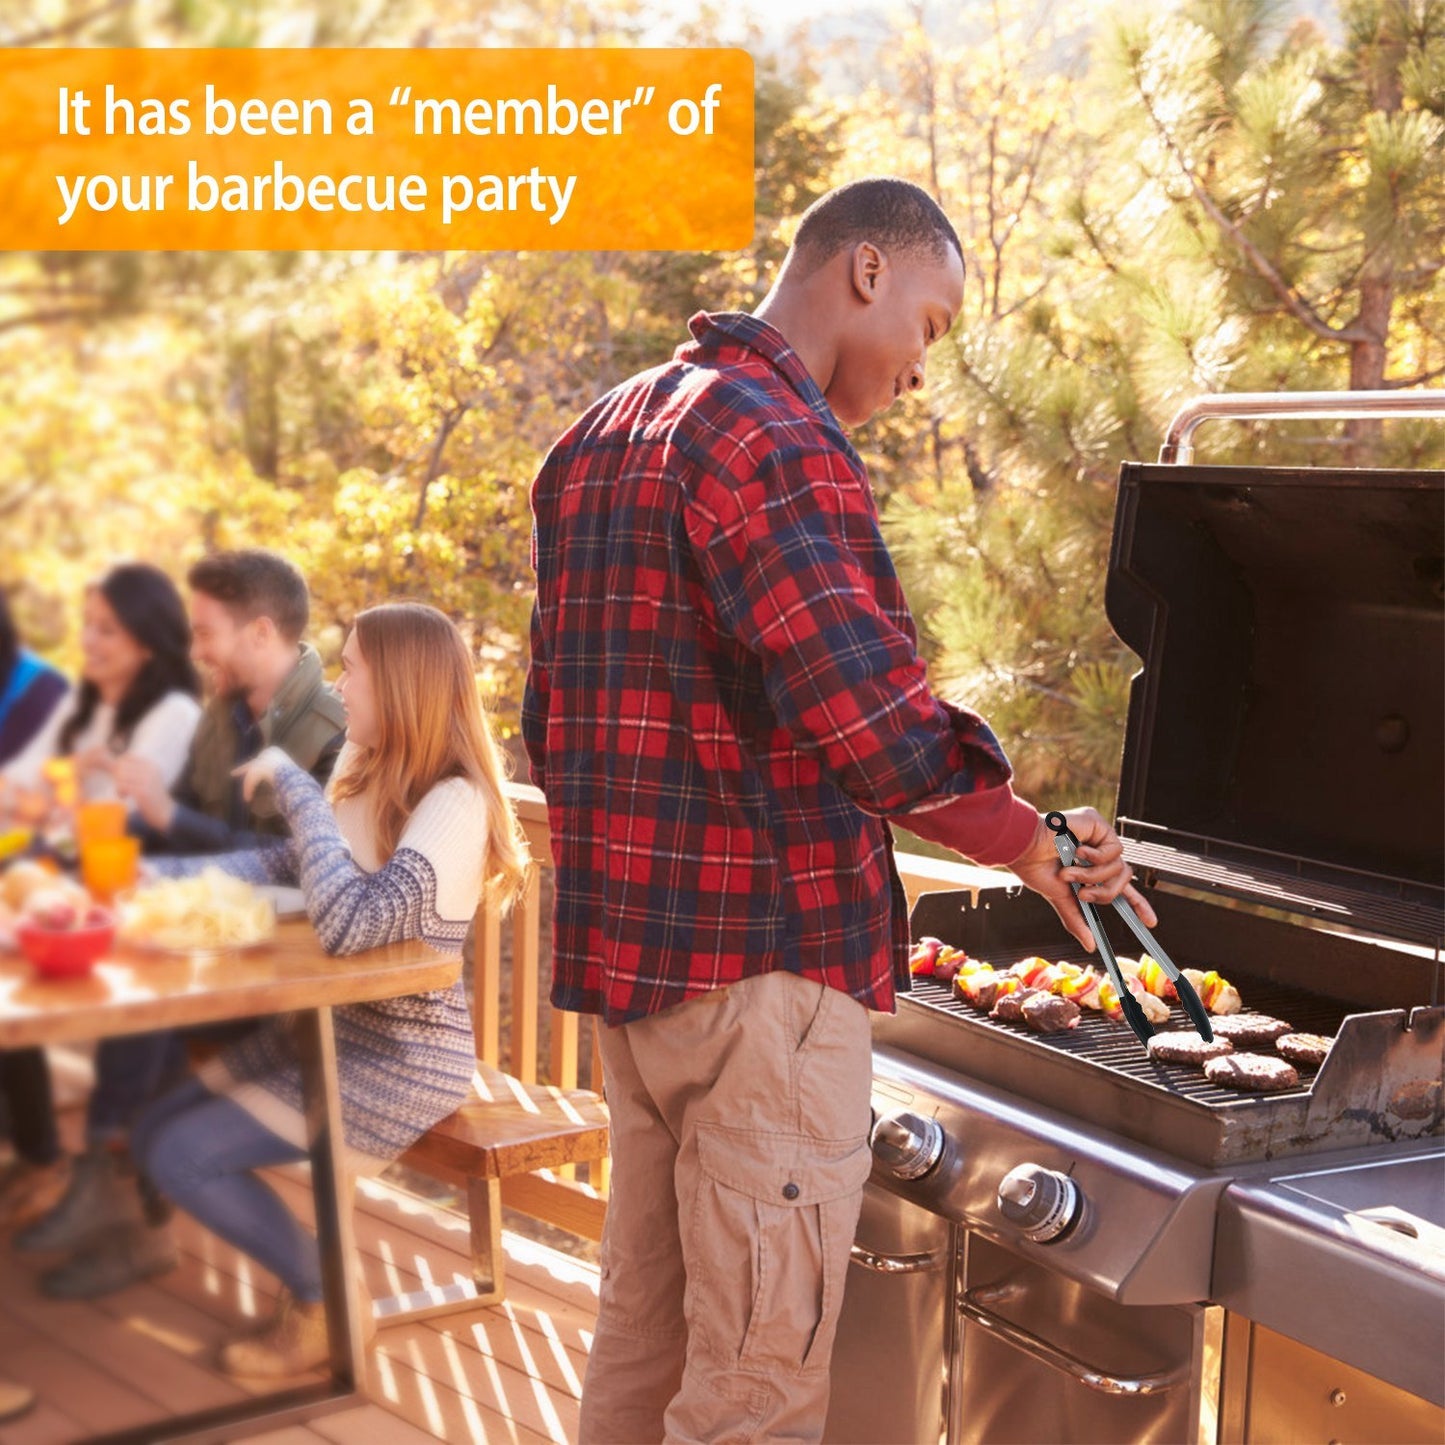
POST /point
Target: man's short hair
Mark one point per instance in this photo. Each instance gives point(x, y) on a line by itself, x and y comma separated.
point(251, 583)
point(895, 215)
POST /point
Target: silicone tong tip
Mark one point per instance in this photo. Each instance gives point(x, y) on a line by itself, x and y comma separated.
point(1190, 1002)
point(1133, 1011)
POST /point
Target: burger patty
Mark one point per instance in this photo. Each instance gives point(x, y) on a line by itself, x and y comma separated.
point(1187, 1048)
point(1247, 1031)
point(1307, 1049)
point(1256, 1073)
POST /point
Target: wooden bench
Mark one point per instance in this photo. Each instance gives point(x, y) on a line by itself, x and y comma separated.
point(500, 1145)
point(506, 1130)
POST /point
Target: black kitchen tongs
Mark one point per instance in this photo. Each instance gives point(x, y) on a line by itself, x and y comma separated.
point(1067, 845)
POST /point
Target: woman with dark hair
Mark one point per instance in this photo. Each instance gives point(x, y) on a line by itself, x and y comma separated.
point(138, 687)
point(30, 690)
point(138, 693)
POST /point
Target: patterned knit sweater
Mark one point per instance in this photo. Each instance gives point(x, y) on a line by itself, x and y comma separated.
point(406, 1063)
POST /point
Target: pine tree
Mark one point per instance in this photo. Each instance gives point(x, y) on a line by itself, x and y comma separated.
point(1243, 207)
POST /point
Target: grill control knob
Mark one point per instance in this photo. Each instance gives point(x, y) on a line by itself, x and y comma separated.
point(907, 1144)
point(1043, 1203)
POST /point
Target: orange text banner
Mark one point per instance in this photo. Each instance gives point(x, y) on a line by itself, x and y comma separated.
point(285, 150)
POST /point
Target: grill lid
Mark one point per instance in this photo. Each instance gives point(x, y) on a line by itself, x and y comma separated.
point(1285, 741)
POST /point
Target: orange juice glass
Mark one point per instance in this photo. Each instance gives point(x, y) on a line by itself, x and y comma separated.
point(109, 866)
point(98, 821)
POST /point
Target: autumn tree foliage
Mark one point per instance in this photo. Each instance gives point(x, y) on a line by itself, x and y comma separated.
point(1155, 202)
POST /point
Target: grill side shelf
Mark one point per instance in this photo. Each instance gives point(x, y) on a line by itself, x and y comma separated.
point(1382, 1079)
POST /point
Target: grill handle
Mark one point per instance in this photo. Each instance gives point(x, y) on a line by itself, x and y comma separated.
point(973, 1306)
point(1280, 406)
point(880, 1263)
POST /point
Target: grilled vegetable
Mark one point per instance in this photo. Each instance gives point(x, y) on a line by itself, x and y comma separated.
point(1153, 977)
point(1155, 1009)
point(924, 956)
point(1217, 994)
point(1034, 972)
point(979, 987)
point(1081, 985)
point(949, 962)
point(1109, 1003)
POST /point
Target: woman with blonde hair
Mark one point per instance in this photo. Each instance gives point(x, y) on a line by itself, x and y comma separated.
point(413, 827)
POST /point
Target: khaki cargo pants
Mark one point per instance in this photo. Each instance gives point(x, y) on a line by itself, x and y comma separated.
point(739, 1147)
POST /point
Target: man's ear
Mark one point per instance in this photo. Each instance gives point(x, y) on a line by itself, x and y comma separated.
point(869, 264)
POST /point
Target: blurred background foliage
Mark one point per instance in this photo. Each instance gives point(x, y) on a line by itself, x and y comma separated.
point(1154, 203)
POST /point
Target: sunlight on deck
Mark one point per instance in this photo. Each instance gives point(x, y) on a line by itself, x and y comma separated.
point(510, 1372)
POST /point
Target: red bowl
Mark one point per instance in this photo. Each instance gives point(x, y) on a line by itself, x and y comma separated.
point(65, 953)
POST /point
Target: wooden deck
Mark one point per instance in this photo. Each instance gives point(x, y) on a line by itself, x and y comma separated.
point(510, 1372)
point(505, 1373)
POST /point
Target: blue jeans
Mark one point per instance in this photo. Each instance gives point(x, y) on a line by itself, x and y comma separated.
point(133, 1070)
point(201, 1150)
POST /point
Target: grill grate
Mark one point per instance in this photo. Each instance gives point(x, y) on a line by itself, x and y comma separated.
point(1113, 1046)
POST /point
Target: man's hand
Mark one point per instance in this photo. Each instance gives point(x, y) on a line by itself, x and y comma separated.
point(1102, 882)
point(139, 780)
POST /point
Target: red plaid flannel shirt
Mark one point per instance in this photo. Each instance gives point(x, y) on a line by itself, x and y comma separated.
point(725, 698)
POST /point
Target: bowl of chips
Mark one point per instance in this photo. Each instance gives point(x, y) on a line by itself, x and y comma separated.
point(212, 913)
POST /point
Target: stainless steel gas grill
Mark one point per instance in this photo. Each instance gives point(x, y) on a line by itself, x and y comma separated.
point(1067, 1241)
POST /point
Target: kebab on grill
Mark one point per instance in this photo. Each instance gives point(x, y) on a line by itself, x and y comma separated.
point(979, 985)
point(1023, 995)
point(982, 987)
point(1155, 1009)
point(1048, 1013)
point(924, 957)
point(1009, 1006)
point(1095, 991)
point(933, 958)
point(1218, 995)
point(1036, 1009)
point(1150, 975)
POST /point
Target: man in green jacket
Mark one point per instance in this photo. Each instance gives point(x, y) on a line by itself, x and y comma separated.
point(249, 610)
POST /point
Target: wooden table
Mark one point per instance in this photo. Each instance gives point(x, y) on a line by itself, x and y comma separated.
point(133, 992)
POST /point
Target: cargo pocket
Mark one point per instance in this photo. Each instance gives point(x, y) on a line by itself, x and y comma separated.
point(771, 1230)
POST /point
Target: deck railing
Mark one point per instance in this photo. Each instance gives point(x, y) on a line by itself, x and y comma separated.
point(534, 1030)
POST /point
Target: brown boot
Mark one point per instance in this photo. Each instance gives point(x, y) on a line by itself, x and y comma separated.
point(15, 1399)
point(29, 1190)
point(293, 1343)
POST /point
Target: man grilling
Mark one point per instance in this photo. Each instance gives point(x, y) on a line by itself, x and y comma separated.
point(725, 705)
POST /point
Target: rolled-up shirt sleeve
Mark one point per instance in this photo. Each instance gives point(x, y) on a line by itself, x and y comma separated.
point(788, 546)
